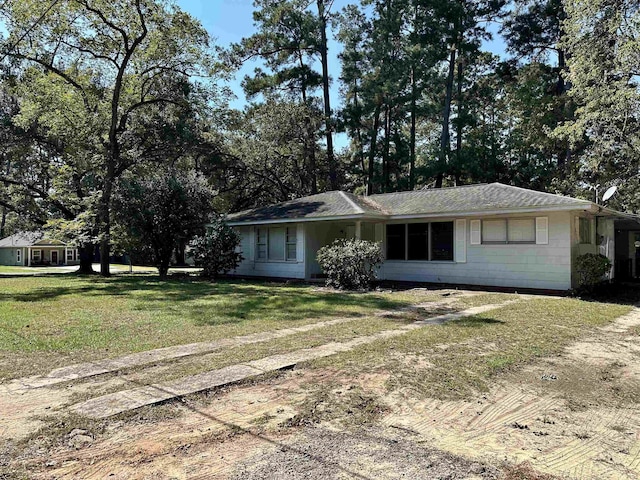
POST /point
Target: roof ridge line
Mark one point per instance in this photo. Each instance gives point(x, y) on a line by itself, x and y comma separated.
point(351, 202)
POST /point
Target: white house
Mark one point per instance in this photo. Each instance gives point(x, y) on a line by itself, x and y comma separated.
point(491, 235)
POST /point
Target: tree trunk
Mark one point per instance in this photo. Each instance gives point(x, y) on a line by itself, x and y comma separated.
point(385, 150)
point(372, 149)
point(86, 259)
point(333, 174)
point(459, 123)
point(310, 150)
point(445, 137)
point(3, 222)
point(412, 135)
point(104, 219)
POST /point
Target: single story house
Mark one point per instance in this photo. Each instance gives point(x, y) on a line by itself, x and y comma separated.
point(34, 248)
point(487, 235)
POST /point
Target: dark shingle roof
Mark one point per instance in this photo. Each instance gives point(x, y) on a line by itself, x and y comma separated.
point(21, 239)
point(466, 199)
point(329, 204)
point(471, 198)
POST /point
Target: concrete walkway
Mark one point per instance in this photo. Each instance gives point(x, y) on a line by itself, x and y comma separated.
point(127, 400)
point(90, 369)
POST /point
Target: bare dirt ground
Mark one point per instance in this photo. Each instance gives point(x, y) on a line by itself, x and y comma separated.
point(576, 415)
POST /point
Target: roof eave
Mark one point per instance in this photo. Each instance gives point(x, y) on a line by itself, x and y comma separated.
point(359, 216)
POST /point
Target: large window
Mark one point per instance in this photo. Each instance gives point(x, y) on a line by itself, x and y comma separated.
point(585, 231)
point(36, 255)
point(396, 242)
point(276, 244)
point(19, 256)
point(512, 230)
point(442, 241)
point(420, 241)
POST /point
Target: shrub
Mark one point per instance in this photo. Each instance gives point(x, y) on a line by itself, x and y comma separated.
point(591, 268)
point(216, 251)
point(350, 264)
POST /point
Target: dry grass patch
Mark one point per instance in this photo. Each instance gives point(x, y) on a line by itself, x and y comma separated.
point(461, 357)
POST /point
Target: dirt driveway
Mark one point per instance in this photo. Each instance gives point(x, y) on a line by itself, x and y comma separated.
point(573, 415)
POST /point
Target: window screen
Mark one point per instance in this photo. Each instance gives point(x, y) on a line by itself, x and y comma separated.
point(396, 242)
point(276, 243)
point(291, 243)
point(442, 241)
point(261, 243)
point(418, 241)
point(522, 230)
point(585, 230)
point(494, 231)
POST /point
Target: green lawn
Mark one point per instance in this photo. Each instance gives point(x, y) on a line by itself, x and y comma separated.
point(51, 321)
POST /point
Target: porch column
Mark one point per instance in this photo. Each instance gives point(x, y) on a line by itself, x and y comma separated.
point(65, 255)
point(28, 256)
point(358, 230)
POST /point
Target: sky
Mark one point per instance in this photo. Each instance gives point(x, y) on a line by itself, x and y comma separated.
point(228, 21)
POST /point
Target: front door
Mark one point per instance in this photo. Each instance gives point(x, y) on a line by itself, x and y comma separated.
point(54, 257)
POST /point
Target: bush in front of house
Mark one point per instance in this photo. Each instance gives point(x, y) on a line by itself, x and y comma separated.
point(217, 250)
point(591, 267)
point(350, 264)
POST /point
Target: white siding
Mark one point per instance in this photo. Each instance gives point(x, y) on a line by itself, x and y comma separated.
point(509, 265)
point(250, 267)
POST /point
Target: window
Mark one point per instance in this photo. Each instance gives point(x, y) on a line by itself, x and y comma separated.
point(70, 256)
point(261, 243)
point(521, 230)
point(36, 255)
point(420, 241)
point(396, 242)
point(494, 231)
point(512, 230)
point(276, 244)
point(585, 231)
point(291, 244)
point(18, 256)
point(442, 241)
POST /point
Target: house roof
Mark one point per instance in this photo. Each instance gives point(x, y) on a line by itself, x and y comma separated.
point(471, 198)
point(322, 205)
point(28, 239)
point(493, 197)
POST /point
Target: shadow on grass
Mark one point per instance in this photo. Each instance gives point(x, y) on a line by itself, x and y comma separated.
point(477, 322)
point(205, 303)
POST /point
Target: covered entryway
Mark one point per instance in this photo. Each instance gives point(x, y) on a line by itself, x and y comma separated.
point(319, 234)
point(627, 246)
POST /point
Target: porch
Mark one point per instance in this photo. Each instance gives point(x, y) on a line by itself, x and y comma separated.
point(627, 250)
point(50, 256)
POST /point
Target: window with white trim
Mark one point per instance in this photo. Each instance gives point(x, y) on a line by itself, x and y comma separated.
point(36, 255)
point(509, 230)
point(292, 244)
point(19, 255)
point(276, 244)
point(420, 241)
point(70, 255)
point(586, 237)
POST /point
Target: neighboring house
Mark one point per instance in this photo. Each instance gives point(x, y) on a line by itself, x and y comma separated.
point(34, 248)
point(491, 235)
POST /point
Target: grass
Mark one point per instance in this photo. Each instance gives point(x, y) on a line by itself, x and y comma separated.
point(460, 358)
point(56, 320)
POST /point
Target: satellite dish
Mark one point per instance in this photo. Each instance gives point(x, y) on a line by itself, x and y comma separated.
point(609, 193)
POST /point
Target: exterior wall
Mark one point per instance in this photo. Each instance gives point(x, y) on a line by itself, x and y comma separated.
point(281, 269)
point(8, 256)
point(509, 265)
point(602, 241)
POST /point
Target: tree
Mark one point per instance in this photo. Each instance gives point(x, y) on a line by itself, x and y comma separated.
point(217, 250)
point(157, 214)
point(106, 63)
point(602, 42)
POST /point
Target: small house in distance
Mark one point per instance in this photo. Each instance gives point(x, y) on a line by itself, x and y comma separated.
point(35, 249)
point(486, 235)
